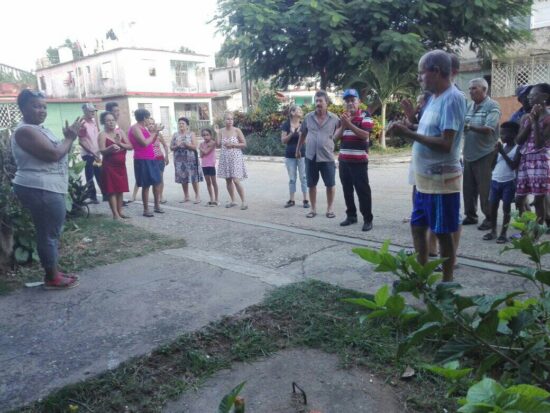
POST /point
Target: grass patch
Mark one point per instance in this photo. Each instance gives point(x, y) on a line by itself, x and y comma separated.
point(391, 150)
point(91, 242)
point(308, 314)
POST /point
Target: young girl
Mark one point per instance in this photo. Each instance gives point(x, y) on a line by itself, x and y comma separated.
point(534, 166)
point(208, 160)
point(231, 166)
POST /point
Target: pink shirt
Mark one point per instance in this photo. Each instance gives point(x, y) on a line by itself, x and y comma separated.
point(88, 134)
point(141, 152)
point(210, 158)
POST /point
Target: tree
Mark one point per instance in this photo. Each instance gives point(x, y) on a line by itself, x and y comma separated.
point(385, 80)
point(53, 52)
point(184, 49)
point(292, 39)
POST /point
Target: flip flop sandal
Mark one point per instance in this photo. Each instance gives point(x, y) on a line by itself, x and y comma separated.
point(148, 214)
point(290, 204)
point(502, 240)
point(158, 211)
point(197, 202)
point(164, 201)
point(125, 217)
point(488, 237)
point(306, 204)
point(230, 205)
point(61, 283)
point(311, 215)
point(331, 215)
point(244, 207)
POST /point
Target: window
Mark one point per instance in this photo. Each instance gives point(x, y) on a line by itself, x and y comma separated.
point(210, 75)
point(181, 71)
point(42, 83)
point(106, 70)
point(69, 81)
point(230, 76)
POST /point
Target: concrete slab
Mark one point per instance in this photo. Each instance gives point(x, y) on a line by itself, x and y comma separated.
point(50, 339)
point(268, 389)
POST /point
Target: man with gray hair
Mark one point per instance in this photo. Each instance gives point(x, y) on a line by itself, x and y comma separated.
point(480, 137)
point(88, 136)
point(436, 159)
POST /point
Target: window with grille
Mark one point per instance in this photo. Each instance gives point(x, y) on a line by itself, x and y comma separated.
point(147, 106)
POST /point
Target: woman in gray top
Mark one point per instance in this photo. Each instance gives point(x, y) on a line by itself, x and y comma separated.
point(41, 181)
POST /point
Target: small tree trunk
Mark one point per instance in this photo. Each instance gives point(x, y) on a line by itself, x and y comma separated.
point(6, 247)
point(324, 78)
point(383, 134)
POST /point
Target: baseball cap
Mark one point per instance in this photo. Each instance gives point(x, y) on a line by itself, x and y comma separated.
point(523, 91)
point(350, 93)
point(89, 106)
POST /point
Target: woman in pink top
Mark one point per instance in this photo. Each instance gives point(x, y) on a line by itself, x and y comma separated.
point(208, 161)
point(146, 168)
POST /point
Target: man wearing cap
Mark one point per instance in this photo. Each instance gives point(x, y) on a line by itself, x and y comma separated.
point(89, 149)
point(355, 126)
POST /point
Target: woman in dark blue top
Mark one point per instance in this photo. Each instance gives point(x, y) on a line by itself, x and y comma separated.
point(290, 132)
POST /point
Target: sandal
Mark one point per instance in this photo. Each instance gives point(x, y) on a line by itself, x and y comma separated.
point(502, 240)
point(331, 215)
point(306, 204)
point(164, 201)
point(148, 214)
point(159, 211)
point(60, 282)
point(197, 202)
point(124, 216)
point(230, 205)
point(488, 237)
point(311, 214)
point(244, 207)
point(290, 204)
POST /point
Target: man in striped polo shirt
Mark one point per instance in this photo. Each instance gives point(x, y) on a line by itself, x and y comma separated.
point(355, 126)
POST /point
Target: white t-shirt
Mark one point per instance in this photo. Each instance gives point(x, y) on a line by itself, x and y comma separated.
point(502, 171)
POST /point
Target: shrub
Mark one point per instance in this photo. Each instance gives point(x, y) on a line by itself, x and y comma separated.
point(264, 144)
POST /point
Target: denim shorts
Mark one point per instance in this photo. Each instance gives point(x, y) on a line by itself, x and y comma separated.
point(327, 170)
point(147, 172)
point(440, 212)
point(209, 170)
point(502, 191)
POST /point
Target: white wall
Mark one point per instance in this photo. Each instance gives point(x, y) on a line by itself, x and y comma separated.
point(540, 16)
point(220, 78)
point(129, 71)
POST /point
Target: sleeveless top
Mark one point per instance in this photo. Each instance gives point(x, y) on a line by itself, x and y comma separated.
point(141, 152)
point(36, 173)
point(210, 159)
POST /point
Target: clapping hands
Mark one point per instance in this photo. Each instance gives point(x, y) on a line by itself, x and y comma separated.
point(71, 131)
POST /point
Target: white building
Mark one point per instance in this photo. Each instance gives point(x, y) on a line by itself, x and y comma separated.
point(168, 84)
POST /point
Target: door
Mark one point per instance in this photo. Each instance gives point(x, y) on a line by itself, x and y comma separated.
point(165, 120)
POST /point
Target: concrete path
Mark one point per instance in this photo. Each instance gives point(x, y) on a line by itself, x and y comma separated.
point(50, 339)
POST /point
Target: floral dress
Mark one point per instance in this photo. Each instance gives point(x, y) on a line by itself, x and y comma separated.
point(534, 165)
point(231, 163)
point(186, 161)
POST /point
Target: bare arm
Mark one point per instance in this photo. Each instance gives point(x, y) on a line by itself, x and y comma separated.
point(193, 145)
point(525, 130)
point(442, 143)
point(124, 142)
point(301, 141)
point(345, 123)
point(285, 137)
point(142, 140)
point(242, 140)
point(103, 148)
point(36, 144)
point(207, 148)
point(541, 134)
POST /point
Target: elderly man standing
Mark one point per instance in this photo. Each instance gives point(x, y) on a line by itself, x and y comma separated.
point(89, 149)
point(353, 159)
point(436, 159)
point(480, 137)
point(319, 127)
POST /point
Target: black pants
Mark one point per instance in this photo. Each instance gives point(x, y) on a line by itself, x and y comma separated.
point(355, 176)
point(90, 171)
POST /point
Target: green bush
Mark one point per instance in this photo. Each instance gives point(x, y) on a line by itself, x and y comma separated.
point(264, 144)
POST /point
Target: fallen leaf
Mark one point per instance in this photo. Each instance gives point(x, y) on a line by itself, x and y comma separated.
point(408, 373)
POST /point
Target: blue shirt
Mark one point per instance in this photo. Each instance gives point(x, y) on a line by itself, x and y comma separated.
point(437, 172)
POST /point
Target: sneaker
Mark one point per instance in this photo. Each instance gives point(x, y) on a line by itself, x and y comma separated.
point(306, 204)
point(367, 226)
point(348, 221)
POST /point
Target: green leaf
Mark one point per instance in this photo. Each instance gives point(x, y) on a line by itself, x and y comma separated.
point(395, 305)
point(450, 373)
point(454, 349)
point(363, 302)
point(382, 295)
point(385, 247)
point(432, 279)
point(487, 303)
point(525, 272)
point(485, 391)
point(367, 254)
point(487, 364)
point(488, 326)
point(417, 336)
point(543, 276)
point(378, 313)
point(229, 399)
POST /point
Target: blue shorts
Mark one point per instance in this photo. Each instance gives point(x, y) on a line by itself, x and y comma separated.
point(326, 169)
point(502, 191)
point(440, 212)
point(209, 170)
point(162, 164)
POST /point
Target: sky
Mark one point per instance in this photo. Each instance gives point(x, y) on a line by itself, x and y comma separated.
point(35, 25)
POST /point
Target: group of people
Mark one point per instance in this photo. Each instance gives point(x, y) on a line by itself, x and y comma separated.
point(105, 156)
point(456, 148)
